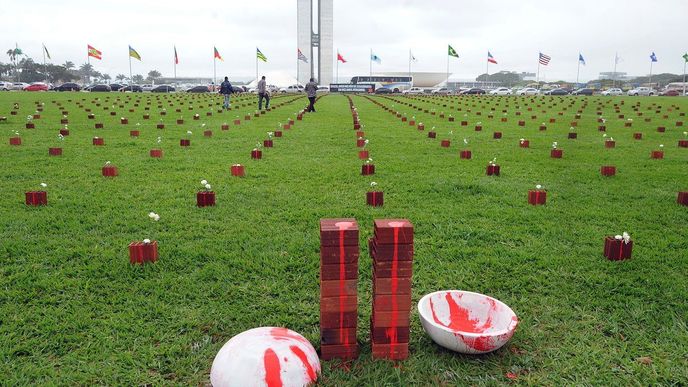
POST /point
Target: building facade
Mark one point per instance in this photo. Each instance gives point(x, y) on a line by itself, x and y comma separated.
point(308, 40)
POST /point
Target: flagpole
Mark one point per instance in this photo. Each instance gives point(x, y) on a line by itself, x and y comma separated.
point(337, 66)
point(537, 78)
point(409, 73)
point(175, 66)
point(616, 60)
point(88, 61)
point(371, 63)
point(684, 76)
point(650, 79)
point(214, 71)
point(578, 70)
point(131, 75)
point(447, 82)
point(256, 64)
point(487, 70)
point(45, 66)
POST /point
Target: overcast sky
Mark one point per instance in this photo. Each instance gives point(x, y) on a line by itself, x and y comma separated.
point(513, 30)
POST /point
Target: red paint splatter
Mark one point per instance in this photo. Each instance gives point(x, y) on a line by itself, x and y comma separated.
point(480, 343)
point(512, 375)
point(285, 334)
point(392, 332)
point(342, 270)
point(459, 318)
point(304, 359)
point(273, 372)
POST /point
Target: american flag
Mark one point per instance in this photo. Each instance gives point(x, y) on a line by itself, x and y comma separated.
point(301, 56)
point(544, 59)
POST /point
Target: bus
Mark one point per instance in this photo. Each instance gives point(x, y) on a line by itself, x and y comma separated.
point(680, 86)
point(396, 83)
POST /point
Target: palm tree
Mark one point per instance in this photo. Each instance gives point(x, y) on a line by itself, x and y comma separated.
point(13, 53)
point(86, 69)
point(120, 77)
point(106, 78)
point(68, 65)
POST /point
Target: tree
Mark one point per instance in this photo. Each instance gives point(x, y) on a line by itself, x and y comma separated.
point(153, 75)
point(120, 77)
point(138, 78)
point(68, 65)
point(106, 78)
point(14, 53)
point(86, 70)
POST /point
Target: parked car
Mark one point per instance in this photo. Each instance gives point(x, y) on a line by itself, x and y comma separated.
point(131, 88)
point(147, 87)
point(642, 91)
point(6, 86)
point(670, 93)
point(292, 89)
point(527, 91)
point(441, 91)
point(501, 91)
point(36, 86)
point(612, 91)
point(19, 85)
point(473, 91)
point(163, 89)
point(583, 91)
point(557, 92)
point(100, 88)
point(413, 90)
point(198, 89)
point(383, 90)
point(69, 86)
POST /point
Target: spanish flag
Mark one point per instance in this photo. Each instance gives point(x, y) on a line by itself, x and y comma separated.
point(217, 54)
point(134, 54)
point(93, 52)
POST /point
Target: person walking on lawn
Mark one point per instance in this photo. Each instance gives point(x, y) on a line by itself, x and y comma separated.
point(226, 90)
point(263, 93)
point(311, 91)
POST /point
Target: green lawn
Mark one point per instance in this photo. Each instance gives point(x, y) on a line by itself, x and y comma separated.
point(73, 311)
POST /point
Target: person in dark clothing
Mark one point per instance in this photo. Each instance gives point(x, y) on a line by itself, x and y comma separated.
point(263, 93)
point(226, 90)
point(311, 92)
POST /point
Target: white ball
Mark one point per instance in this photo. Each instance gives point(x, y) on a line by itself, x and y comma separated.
point(265, 356)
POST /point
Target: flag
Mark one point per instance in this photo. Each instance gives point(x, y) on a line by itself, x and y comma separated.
point(685, 57)
point(92, 51)
point(46, 52)
point(134, 54)
point(375, 58)
point(341, 58)
point(176, 58)
point(452, 52)
point(490, 58)
point(580, 59)
point(301, 56)
point(217, 54)
point(412, 58)
point(544, 59)
point(260, 55)
point(653, 57)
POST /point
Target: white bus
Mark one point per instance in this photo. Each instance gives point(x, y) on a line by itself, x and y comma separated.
point(680, 86)
point(395, 83)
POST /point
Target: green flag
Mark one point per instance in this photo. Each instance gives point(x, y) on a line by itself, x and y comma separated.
point(685, 56)
point(260, 55)
point(46, 52)
point(452, 52)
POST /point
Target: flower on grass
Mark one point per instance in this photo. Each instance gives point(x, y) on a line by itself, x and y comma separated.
point(572, 128)
point(661, 145)
point(373, 184)
point(43, 185)
point(365, 143)
point(60, 137)
point(270, 134)
point(465, 141)
point(146, 241)
point(29, 118)
point(685, 134)
point(159, 139)
point(205, 185)
point(479, 123)
point(611, 138)
point(107, 163)
point(204, 182)
point(630, 120)
point(153, 216)
point(554, 145)
point(189, 132)
point(208, 187)
point(138, 124)
point(493, 161)
point(369, 160)
point(538, 186)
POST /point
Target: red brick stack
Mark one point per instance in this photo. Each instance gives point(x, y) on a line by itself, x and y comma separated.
point(391, 249)
point(339, 253)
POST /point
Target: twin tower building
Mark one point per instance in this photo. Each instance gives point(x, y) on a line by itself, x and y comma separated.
point(314, 32)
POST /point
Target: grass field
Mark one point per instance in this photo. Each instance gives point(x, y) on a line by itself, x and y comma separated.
point(73, 311)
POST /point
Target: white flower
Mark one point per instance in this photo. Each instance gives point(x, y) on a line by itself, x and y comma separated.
point(373, 184)
point(465, 141)
point(154, 216)
point(366, 142)
point(208, 187)
point(138, 124)
point(572, 128)
point(123, 118)
point(159, 139)
point(661, 145)
point(43, 185)
point(146, 241)
point(203, 125)
point(685, 133)
point(626, 237)
point(369, 161)
point(538, 186)
point(618, 237)
point(107, 163)
point(188, 132)
point(604, 135)
point(611, 138)
point(204, 182)
point(479, 123)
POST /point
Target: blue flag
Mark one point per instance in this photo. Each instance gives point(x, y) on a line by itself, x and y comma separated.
point(580, 59)
point(375, 58)
point(653, 57)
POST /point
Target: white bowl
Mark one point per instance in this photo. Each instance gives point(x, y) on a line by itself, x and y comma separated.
point(466, 322)
point(265, 356)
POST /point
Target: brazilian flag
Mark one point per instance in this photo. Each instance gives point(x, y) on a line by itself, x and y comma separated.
point(134, 54)
point(452, 52)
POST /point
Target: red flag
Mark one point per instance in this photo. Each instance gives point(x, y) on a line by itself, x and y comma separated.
point(341, 58)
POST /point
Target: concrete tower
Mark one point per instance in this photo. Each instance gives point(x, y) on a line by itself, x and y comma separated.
point(307, 39)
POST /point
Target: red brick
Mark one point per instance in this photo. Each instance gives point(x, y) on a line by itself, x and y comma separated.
point(331, 254)
point(384, 233)
point(385, 302)
point(389, 351)
point(339, 303)
point(332, 288)
point(332, 272)
point(384, 335)
point(329, 352)
point(391, 319)
point(338, 320)
point(330, 336)
point(384, 286)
